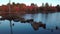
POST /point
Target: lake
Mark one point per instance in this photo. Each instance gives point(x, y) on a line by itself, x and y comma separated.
point(51, 20)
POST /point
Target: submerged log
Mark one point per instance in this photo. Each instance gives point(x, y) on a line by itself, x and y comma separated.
point(36, 25)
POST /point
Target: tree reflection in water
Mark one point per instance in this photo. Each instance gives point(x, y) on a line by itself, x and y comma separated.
point(11, 27)
point(35, 25)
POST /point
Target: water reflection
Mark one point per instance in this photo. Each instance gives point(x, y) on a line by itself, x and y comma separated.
point(34, 22)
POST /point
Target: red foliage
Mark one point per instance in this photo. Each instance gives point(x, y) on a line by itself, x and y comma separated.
point(22, 8)
point(15, 8)
point(4, 8)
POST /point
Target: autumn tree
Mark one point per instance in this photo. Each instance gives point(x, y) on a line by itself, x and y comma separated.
point(13, 3)
point(58, 8)
point(46, 5)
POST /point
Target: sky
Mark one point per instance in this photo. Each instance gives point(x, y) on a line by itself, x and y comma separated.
point(28, 2)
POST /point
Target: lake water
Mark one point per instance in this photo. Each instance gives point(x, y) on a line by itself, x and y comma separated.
point(51, 20)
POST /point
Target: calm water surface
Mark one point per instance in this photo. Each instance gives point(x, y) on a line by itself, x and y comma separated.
point(51, 20)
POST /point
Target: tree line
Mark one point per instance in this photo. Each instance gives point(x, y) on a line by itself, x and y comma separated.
point(22, 8)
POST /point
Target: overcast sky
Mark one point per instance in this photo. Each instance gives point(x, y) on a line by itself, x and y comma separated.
point(28, 2)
